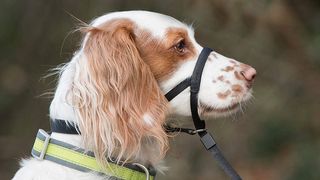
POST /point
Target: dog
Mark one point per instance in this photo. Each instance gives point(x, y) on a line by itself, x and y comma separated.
point(113, 91)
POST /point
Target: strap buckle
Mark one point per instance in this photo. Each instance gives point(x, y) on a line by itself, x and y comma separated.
point(45, 137)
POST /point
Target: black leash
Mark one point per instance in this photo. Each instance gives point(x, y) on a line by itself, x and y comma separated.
point(207, 140)
point(200, 126)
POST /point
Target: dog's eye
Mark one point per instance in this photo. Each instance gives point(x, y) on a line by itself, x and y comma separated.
point(180, 47)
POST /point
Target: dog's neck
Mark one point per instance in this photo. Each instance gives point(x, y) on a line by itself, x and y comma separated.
point(72, 139)
point(60, 108)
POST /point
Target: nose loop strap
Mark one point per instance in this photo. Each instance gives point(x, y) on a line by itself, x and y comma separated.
point(195, 87)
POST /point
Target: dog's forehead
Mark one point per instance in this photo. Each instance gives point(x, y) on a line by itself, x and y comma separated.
point(156, 23)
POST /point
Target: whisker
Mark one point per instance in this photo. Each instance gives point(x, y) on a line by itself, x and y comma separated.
point(240, 105)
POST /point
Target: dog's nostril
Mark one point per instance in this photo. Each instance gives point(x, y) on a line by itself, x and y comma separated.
point(249, 74)
point(253, 77)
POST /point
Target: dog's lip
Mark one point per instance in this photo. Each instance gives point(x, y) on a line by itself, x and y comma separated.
point(208, 108)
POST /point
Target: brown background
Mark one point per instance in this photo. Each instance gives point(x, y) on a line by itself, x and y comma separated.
point(276, 138)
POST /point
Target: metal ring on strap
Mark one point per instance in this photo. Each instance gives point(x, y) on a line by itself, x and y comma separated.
point(144, 169)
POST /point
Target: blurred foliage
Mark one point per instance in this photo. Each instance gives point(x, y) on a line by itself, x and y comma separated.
point(277, 137)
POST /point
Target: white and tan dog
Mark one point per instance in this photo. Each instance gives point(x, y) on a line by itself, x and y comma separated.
point(114, 86)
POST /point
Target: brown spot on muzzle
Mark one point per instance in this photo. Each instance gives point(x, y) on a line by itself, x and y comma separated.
point(237, 88)
point(233, 62)
point(224, 95)
point(228, 68)
point(221, 78)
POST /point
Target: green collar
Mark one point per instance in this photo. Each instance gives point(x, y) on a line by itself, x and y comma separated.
point(74, 157)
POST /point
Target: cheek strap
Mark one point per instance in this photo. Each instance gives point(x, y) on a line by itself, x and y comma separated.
point(194, 83)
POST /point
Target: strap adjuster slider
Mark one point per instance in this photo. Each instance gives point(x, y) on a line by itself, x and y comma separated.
point(45, 144)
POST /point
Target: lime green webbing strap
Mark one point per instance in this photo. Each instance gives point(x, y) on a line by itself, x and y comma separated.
point(74, 157)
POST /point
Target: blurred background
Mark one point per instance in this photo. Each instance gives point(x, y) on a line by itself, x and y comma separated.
point(278, 135)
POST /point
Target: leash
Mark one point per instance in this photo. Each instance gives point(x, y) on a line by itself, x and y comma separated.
point(200, 127)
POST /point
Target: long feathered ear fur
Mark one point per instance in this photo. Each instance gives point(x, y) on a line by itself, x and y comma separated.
point(119, 106)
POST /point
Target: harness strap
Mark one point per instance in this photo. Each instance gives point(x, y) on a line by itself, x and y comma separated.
point(74, 157)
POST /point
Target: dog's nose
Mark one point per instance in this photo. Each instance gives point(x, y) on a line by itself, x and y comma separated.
point(249, 73)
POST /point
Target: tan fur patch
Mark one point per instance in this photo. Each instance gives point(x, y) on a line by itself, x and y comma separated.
point(227, 69)
point(224, 95)
point(232, 61)
point(237, 88)
point(160, 55)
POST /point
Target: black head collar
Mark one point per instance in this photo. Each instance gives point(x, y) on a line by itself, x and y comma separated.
point(200, 126)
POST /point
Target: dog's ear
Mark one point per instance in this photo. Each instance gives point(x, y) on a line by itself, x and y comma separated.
point(118, 101)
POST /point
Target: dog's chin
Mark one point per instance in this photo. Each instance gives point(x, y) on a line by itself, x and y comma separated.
point(209, 111)
point(212, 111)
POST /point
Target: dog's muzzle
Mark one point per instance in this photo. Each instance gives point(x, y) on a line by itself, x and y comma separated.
point(199, 124)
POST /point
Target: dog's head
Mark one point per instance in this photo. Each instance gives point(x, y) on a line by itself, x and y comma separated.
point(127, 62)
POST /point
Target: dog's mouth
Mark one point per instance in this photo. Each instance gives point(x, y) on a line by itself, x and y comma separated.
point(235, 105)
point(209, 109)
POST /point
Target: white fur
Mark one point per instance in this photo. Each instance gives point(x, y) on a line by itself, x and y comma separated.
point(154, 22)
point(148, 119)
point(157, 24)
